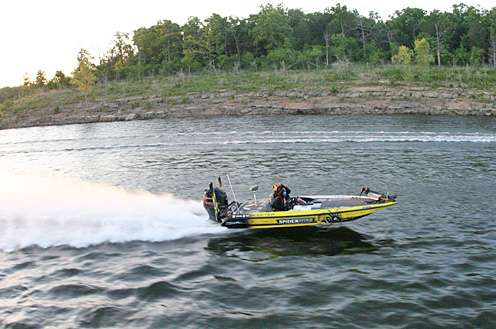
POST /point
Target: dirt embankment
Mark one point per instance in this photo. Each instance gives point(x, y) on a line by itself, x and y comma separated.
point(353, 100)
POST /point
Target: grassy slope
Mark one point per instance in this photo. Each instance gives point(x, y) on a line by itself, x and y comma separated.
point(334, 79)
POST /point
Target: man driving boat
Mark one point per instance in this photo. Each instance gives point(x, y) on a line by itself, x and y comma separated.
point(280, 197)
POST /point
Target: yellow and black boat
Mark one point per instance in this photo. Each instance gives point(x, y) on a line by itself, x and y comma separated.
point(302, 211)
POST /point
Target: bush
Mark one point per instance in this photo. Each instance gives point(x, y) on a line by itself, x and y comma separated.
point(394, 73)
point(403, 56)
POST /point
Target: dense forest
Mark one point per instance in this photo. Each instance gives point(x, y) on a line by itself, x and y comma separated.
point(281, 38)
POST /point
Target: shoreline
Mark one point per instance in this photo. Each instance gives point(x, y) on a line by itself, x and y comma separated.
point(365, 100)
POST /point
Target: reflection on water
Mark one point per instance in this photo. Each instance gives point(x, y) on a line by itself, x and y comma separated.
point(292, 242)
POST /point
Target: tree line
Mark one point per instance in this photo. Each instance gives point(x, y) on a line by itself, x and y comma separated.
point(280, 38)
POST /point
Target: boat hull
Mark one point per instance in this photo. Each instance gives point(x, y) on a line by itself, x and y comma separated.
point(300, 218)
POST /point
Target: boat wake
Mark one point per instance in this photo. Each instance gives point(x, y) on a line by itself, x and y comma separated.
point(235, 137)
point(50, 211)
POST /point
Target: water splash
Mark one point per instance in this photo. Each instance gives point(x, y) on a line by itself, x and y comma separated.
point(50, 211)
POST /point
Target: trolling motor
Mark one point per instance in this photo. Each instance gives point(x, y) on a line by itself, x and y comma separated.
point(380, 196)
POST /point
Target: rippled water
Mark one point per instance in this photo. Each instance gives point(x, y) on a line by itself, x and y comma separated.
point(100, 225)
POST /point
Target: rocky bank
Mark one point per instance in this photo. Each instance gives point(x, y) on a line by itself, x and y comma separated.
point(360, 100)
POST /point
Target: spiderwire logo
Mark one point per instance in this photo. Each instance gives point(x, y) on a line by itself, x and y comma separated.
point(295, 221)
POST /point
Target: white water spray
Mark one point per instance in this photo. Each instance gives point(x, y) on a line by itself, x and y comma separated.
point(50, 211)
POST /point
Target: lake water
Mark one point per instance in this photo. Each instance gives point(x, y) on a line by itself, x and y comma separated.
point(101, 224)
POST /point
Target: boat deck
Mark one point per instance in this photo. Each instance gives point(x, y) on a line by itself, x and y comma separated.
point(312, 202)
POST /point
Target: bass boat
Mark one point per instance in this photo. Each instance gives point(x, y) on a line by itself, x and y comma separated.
point(312, 210)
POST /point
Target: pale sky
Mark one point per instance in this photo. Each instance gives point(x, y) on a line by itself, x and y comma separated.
point(47, 34)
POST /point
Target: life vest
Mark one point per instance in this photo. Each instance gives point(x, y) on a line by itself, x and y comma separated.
point(280, 196)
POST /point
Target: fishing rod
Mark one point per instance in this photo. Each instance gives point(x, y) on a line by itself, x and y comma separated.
point(232, 190)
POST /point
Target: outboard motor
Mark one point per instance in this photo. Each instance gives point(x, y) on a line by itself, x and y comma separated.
point(215, 202)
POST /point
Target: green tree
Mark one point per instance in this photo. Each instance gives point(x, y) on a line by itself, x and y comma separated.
point(234, 30)
point(84, 76)
point(374, 54)
point(282, 58)
point(248, 60)
point(477, 32)
point(187, 59)
point(59, 80)
point(343, 48)
point(422, 52)
point(271, 28)
point(471, 30)
point(403, 56)
point(118, 57)
point(492, 48)
point(342, 21)
point(475, 56)
point(194, 48)
point(310, 56)
point(300, 27)
point(40, 80)
point(491, 23)
point(405, 25)
point(160, 46)
point(290, 38)
point(26, 81)
point(460, 56)
point(318, 25)
point(217, 37)
point(440, 26)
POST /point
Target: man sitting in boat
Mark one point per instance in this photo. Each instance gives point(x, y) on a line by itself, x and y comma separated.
point(280, 197)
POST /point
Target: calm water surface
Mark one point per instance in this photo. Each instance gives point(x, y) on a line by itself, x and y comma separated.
point(100, 225)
